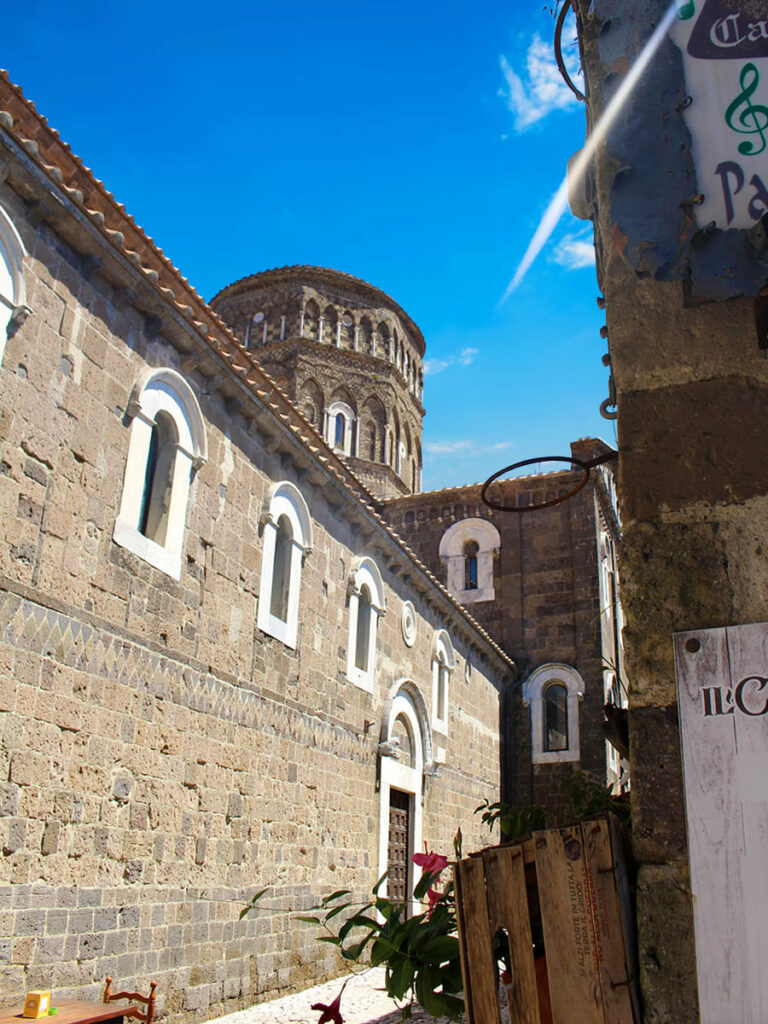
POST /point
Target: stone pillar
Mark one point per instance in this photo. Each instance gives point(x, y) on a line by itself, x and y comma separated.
point(692, 387)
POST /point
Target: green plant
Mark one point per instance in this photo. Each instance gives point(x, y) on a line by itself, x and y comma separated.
point(420, 952)
point(514, 822)
point(591, 799)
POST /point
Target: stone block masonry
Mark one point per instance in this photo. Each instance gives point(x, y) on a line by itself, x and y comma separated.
point(161, 756)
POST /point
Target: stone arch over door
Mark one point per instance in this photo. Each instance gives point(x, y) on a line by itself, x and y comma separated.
point(405, 752)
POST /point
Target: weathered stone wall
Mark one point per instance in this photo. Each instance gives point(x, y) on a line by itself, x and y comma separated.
point(546, 605)
point(162, 757)
point(314, 376)
point(692, 386)
point(327, 337)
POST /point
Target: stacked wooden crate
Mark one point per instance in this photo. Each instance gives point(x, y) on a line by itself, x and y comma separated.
point(562, 901)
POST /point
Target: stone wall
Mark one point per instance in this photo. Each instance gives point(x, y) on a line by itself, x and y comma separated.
point(546, 604)
point(691, 381)
point(162, 757)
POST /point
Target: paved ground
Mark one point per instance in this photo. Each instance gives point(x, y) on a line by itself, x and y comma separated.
point(363, 1002)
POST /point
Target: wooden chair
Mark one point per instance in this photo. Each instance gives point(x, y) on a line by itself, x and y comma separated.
point(136, 997)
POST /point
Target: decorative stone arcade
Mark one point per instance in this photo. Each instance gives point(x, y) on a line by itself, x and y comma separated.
point(348, 357)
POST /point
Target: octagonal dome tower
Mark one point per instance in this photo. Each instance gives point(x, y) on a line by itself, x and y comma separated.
point(349, 358)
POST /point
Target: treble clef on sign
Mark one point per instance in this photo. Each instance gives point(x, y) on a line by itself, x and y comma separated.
point(752, 118)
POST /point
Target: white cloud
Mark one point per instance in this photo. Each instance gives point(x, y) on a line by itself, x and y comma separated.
point(463, 358)
point(466, 447)
point(540, 89)
point(574, 252)
point(446, 447)
point(433, 366)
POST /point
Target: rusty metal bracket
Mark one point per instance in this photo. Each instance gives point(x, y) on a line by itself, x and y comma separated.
point(559, 51)
point(581, 464)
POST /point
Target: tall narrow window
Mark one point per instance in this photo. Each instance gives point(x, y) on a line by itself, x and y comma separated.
point(166, 446)
point(553, 693)
point(158, 481)
point(442, 689)
point(281, 574)
point(471, 549)
point(340, 427)
point(443, 663)
point(556, 718)
point(339, 431)
point(364, 612)
point(287, 542)
point(366, 604)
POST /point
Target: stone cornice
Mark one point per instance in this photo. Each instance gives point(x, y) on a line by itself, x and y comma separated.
point(325, 275)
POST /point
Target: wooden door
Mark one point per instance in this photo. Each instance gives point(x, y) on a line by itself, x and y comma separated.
point(399, 849)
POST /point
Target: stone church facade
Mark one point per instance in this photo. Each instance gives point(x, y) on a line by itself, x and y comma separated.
point(228, 660)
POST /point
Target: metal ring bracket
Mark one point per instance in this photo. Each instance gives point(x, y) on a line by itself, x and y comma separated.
point(570, 459)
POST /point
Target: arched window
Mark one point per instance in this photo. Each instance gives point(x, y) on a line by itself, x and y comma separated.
point(553, 693)
point(555, 706)
point(156, 498)
point(281, 574)
point(467, 548)
point(13, 307)
point(471, 549)
point(366, 604)
point(167, 444)
point(340, 429)
point(443, 663)
point(287, 542)
point(364, 612)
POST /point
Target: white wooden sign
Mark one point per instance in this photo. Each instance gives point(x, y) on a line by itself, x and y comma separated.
point(725, 62)
point(722, 685)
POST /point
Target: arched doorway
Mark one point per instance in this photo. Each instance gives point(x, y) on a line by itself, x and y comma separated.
point(405, 748)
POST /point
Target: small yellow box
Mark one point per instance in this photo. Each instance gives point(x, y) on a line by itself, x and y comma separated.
point(36, 1004)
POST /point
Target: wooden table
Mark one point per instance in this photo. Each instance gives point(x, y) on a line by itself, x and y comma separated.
point(71, 1011)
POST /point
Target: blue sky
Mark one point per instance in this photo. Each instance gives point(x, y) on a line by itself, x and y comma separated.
point(415, 145)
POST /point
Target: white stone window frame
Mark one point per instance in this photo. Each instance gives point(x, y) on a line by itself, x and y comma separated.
point(451, 550)
point(160, 391)
point(366, 573)
point(443, 662)
point(283, 499)
point(13, 294)
point(405, 699)
point(534, 695)
point(350, 435)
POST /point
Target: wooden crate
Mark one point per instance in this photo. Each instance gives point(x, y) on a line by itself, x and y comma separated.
point(568, 889)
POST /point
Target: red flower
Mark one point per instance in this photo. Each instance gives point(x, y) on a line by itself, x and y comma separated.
point(434, 898)
point(431, 863)
point(331, 1012)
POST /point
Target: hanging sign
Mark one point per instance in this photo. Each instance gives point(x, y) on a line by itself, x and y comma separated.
point(722, 692)
point(725, 62)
